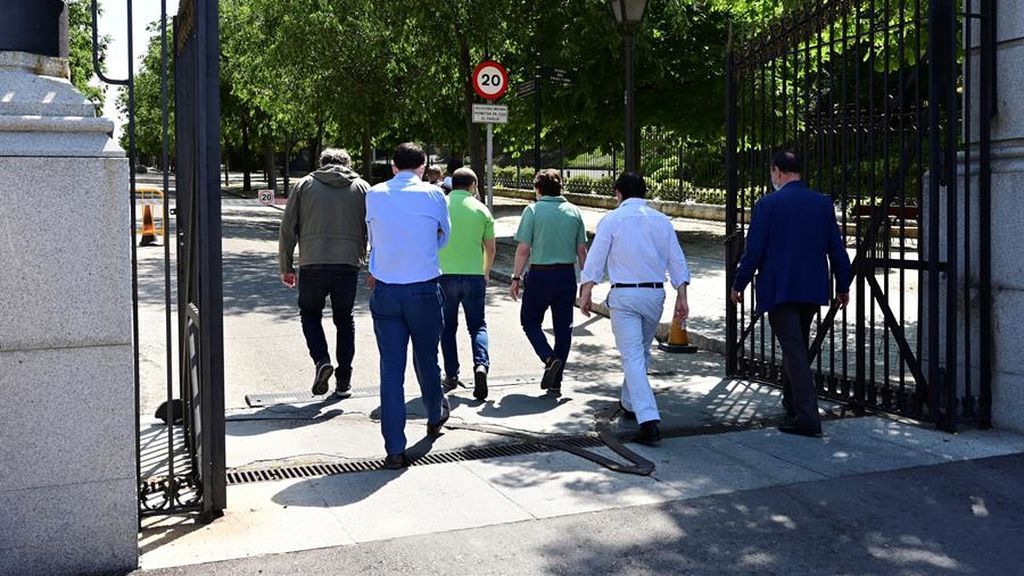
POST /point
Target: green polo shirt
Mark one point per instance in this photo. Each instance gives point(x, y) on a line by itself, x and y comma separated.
point(553, 228)
point(472, 223)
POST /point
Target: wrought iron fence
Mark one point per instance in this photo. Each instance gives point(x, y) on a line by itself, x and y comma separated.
point(891, 115)
point(675, 170)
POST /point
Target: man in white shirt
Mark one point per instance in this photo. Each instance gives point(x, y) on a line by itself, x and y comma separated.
point(408, 224)
point(636, 245)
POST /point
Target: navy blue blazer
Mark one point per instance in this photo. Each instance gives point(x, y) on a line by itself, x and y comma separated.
point(792, 232)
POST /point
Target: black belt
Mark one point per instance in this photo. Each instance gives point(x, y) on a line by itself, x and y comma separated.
point(551, 266)
point(641, 285)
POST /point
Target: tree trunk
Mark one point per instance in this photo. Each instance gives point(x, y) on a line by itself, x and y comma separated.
point(476, 152)
point(287, 162)
point(227, 156)
point(367, 169)
point(268, 163)
point(317, 145)
point(246, 151)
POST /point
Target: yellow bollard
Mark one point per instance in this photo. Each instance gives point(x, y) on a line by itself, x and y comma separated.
point(148, 229)
point(678, 341)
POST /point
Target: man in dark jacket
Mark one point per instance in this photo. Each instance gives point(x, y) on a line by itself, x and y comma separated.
point(792, 239)
point(326, 216)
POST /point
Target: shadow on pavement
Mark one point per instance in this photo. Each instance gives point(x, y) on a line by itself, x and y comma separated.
point(282, 417)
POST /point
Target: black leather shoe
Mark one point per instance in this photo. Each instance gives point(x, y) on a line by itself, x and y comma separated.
point(627, 414)
point(551, 370)
point(396, 461)
point(450, 383)
point(794, 428)
point(322, 379)
point(435, 428)
point(480, 383)
point(649, 433)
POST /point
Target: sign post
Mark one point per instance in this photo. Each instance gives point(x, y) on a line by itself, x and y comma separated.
point(490, 81)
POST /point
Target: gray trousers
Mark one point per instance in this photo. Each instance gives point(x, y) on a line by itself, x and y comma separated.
point(791, 324)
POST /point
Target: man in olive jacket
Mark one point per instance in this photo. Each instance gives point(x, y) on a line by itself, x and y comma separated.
point(326, 216)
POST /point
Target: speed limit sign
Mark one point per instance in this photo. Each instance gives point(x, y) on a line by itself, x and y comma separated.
point(490, 80)
point(266, 197)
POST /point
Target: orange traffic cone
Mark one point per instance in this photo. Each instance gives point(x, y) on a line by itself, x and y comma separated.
point(678, 341)
point(148, 229)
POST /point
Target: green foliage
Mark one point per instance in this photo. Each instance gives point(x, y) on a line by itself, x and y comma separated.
point(673, 190)
point(149, 101)
point(581, 184)
point(80, 50)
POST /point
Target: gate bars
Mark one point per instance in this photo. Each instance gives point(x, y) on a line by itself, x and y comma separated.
point(196, 483)
point(882, 100)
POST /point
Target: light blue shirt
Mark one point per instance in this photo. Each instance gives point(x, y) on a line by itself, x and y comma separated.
point(407, 220)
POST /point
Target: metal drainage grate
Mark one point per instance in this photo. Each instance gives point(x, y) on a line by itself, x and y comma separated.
point(286, 472)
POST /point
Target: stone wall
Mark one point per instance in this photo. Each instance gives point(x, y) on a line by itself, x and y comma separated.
point(67, 408)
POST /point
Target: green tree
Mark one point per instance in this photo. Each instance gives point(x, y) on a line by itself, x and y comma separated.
point(80, 51)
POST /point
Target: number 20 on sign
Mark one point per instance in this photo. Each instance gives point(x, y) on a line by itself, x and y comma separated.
point(490, 80)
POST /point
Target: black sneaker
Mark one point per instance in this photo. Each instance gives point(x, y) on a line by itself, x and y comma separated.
point(396, 461)
point(552, 368)
point(322, 379)
point(450, 383)
point(480, 382)
point(446, 412)
point(343, 390)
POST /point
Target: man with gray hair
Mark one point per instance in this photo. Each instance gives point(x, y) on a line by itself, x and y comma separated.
point(326, 216)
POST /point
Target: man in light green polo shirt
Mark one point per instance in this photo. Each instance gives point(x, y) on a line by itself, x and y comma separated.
point(552, 238)
point(465, 270)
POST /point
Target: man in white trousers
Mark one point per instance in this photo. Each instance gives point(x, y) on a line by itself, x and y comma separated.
point(637, 246)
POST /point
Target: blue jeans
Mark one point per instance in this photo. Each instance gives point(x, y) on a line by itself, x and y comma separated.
point(316, 283)
point(553, 288)
point(470, 291)
point(402, 312)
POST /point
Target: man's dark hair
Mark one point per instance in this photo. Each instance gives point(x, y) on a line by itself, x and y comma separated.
point(409, 156)
point(463, 178)
point(548, 182)
point(787, 161)
point(631, 185)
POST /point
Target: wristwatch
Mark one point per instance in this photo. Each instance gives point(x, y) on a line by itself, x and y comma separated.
point(517, 278)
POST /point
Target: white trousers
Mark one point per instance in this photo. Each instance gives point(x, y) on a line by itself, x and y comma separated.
point(635, 315)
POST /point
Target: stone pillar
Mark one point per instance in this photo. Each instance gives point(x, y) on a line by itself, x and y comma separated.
point(1007, 214)
point(67, 408)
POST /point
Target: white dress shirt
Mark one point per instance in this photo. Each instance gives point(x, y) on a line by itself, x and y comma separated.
point(636, 244)
point(407, 220)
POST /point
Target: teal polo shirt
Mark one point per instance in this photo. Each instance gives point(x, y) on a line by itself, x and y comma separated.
point(553, 228)
point(472, 223)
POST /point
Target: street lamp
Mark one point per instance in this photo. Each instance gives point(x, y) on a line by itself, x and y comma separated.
point(629, 14)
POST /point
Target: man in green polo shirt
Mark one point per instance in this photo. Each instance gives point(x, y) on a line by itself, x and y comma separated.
point(552, 238)
point(465, 270)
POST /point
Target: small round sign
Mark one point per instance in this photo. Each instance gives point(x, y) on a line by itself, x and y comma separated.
point(490, 80)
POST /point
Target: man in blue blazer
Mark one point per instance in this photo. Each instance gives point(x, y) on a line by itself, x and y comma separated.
point(792, 239)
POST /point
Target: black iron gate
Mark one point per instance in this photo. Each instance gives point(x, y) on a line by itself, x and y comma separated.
point(889, 103)
point(181, 466)
point(200, 298)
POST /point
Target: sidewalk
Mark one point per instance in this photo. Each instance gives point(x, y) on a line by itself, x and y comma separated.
point(956, 518)
point(361, 507)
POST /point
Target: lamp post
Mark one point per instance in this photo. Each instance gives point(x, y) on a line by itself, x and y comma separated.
point(37, 27)
point(629, 14)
